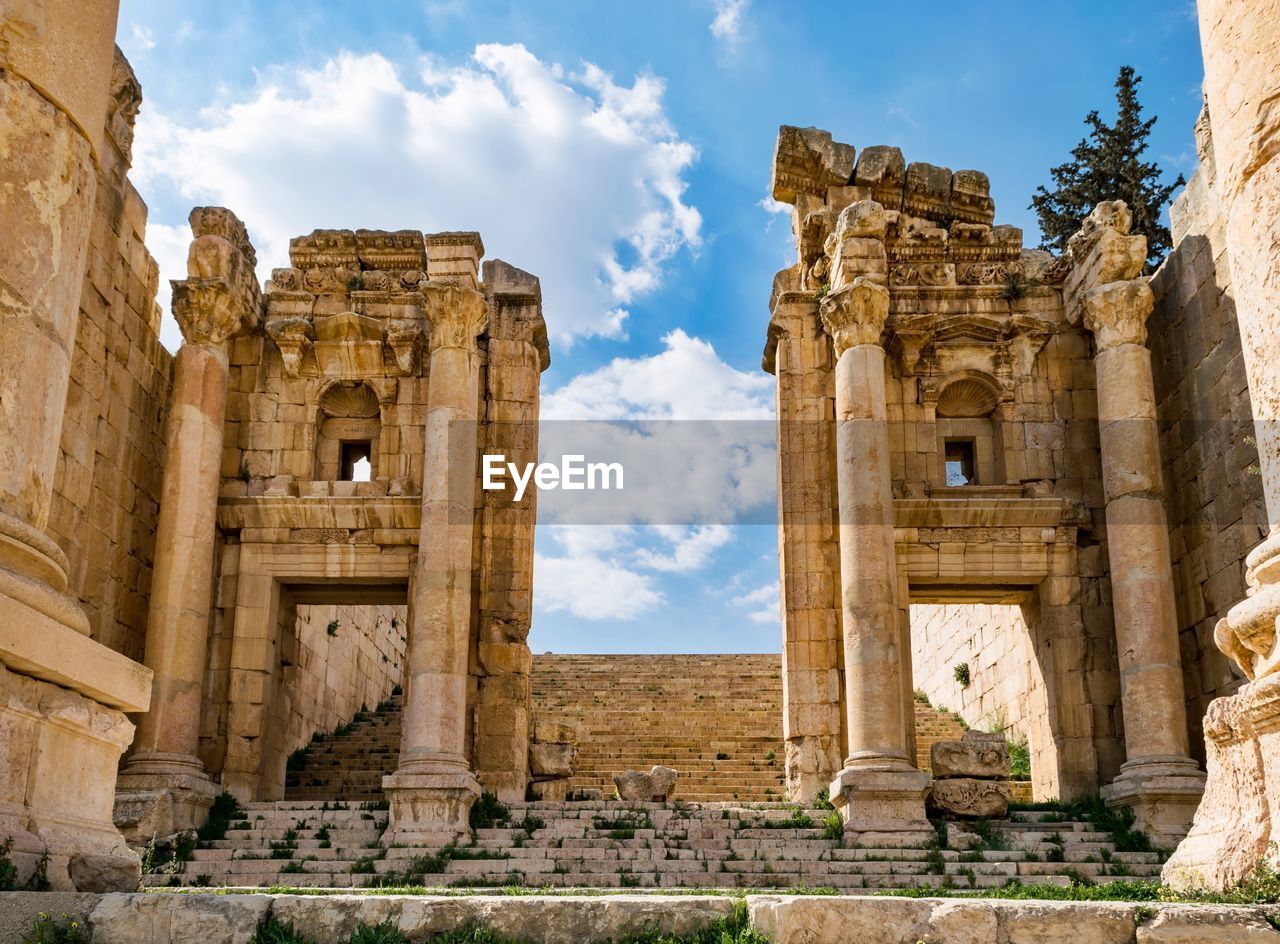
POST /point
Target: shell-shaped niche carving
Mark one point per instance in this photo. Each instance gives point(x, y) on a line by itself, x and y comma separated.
point(966, 396)
point(356, 401)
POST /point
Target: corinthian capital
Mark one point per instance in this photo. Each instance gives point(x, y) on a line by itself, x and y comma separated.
point(220, 296)
point(1117, 312)
point(457, 313)
point(855, 314)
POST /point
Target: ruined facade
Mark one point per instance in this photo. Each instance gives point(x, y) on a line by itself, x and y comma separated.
point(995, 443)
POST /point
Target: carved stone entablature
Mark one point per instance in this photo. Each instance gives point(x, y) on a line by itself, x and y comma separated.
point(404, 338)
point(971, 197)
point(806, 160)
point(922, 273)
point(936, 347)
point(397, 251)
point(928, 191)
point(293, 336)
point(324, 248)
point(515, 298)
point(855, 314)
point(457, 314)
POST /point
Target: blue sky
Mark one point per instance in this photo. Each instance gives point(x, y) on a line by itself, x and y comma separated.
point(621, 151)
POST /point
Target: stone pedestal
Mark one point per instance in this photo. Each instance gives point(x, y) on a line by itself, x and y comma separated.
point(879, 791)
point(432, 791)
point(163, 788)
point(1158, 780)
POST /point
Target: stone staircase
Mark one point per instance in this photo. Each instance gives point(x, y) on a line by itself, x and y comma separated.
point(717, 719)
point(616, 845)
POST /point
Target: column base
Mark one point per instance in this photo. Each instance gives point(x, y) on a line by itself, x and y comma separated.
point(160, 795)
point(429, 809)
point(1163, 795)
point(883, 806)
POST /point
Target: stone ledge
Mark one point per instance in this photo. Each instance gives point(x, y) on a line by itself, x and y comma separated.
point(169, 918)
point(34, 644)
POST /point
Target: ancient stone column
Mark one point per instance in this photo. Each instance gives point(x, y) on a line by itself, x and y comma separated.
point(163, 788)
point(1158, 779)
point(432, 790)
point(880, 792)
point(1235, 826)
point(63, 696)
point(799, 355)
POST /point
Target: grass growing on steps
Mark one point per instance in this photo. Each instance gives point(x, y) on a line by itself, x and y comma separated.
point(732, 930)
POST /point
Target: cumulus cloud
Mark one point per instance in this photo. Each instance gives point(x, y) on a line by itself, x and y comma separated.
point(729, 23)
point(691, 451)
point(763, 603)
point(572, 176)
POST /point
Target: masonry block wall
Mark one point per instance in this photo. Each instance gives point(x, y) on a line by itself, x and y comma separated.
point(1214, 492)
point(1006, 686)
point(331, 673)
point(107, 484)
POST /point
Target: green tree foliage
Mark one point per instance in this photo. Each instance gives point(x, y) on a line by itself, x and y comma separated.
point(1108, 165)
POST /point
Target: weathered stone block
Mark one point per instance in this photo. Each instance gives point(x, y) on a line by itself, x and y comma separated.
point(977, 754)
point(657, 785)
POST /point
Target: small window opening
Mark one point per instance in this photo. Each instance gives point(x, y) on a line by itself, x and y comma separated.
point(355, 465)
point(959, 459)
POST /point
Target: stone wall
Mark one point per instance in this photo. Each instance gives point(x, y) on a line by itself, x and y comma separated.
point(107, 484)
point(1214, 492)
point(329, 676)
point(1006, 683)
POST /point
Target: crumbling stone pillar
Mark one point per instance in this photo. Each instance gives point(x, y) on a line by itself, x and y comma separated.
point(62, 695)
point(880, 792)
point(1158, 779)
point(518, 352)
point(163, 788)
point(1238, 823)
point(799, 355)
point(432, 791)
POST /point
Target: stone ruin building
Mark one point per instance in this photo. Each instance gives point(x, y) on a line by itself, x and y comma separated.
point(211, 558)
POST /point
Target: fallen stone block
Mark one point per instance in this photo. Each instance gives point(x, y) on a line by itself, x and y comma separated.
point(977, 754)
point(655, 786)
point(967, 796)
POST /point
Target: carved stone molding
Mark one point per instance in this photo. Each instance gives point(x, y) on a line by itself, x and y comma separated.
point(1117, 312)
point(293, 336)
point(405, 339)
point(457, 313)
point(855, 314)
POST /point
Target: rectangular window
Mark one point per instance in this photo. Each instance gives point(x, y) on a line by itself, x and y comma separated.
point(959, 460)
point(355, 465)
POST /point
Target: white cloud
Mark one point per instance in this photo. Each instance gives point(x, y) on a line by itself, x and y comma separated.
point(691, 548)
point(763, 603)
point(729, 24)
point(573, 177)
point(590, 582)
point(169, 245)
point(143, 38)
point(659, 387)
point(710, 465)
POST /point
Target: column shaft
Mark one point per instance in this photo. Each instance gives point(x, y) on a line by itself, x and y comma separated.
point(868, 566)
point(432, 791)
point(182, 585)
point(436, 667)
point(1142, 591)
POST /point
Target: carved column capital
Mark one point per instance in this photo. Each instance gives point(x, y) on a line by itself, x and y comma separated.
point(855, 314)
point(1247, 634)
point(220, 296)
point(457, 313)
point(1117, 312)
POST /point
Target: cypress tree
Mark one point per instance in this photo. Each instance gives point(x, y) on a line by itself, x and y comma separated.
point(1108, 165)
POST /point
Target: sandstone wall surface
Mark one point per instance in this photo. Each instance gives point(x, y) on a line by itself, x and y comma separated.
point(1213, 491)
point(107, 483)
point(329, 676)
